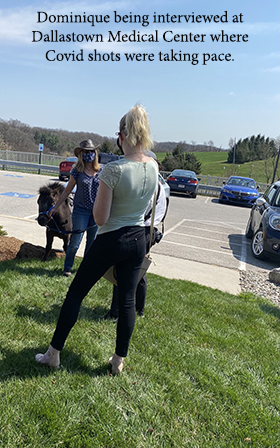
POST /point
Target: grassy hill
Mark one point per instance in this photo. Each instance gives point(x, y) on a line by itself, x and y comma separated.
point(215, 164)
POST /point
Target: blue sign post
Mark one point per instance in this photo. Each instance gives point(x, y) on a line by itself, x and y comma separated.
point(41, 147)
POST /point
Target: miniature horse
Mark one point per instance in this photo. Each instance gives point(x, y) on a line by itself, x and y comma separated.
point(60, 225)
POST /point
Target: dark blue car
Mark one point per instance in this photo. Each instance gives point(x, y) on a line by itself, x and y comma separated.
point(264, 224)
point(239, 190)
point(184, 181)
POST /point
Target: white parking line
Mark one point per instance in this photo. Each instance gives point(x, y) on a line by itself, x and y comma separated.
point(216, 223)
point(204, 230)
point(243, 260)
point(205, 238)
point(174, 227)
point(201, 248)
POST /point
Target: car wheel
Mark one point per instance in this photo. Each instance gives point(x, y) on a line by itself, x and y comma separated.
point(257, 245)
point(249, 231)
point(61, 177)
point(193, 195)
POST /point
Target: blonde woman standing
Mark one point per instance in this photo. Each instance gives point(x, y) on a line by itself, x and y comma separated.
point(84, 175)
point(125, 189)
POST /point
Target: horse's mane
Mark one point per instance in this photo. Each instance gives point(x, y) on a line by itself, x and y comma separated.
point(47, 189)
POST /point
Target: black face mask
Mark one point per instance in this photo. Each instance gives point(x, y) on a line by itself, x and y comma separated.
point(118, 143)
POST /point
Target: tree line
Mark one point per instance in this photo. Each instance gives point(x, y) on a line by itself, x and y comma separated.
point(17, 136)
point(251, 149)
point(178, 159)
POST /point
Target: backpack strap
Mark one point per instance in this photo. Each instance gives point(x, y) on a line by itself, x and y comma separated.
point(149, 214)
point(152, 223)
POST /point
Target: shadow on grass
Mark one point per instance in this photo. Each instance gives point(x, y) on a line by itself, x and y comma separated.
point(36, 266)
point(15, 266)
point(270, 309)
point(51, 315)
point(23, 365)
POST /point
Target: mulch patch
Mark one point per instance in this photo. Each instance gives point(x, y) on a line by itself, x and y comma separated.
point(11, 248)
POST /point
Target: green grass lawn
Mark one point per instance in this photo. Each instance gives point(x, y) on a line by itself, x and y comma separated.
point(202, 370)
point(215, 164)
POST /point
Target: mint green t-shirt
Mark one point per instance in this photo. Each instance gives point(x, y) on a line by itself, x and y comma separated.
point(133, 184)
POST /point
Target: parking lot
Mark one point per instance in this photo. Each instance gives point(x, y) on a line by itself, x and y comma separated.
point(205, 231)
point(200, 230)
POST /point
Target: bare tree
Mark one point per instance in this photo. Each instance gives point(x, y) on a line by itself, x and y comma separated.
point(232, 142)
point(277, 144)
point(3, 145)
point(211, 144)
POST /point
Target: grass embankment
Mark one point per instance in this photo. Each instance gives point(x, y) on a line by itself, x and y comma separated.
point(215, 164)
point(202, 369)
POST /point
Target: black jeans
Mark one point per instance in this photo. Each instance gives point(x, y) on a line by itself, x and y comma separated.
point(125, 248)
point(140, 298)
point(141, 290)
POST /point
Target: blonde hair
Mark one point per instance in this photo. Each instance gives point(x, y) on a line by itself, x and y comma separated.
point(135, 125)
point(80, 165)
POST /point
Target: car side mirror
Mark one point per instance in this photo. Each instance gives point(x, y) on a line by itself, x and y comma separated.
point(258, 187)
point(260, 201)
point(199, 178)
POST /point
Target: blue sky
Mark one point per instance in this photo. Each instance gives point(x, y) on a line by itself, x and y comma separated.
point(186, 102)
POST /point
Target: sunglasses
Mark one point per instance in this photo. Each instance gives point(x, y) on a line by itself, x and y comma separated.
point(85, 151)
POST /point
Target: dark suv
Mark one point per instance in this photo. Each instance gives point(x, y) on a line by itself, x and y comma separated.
point(264, 224)
point(104, 157)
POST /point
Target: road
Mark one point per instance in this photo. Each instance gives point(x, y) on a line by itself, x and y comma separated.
point(199, 230)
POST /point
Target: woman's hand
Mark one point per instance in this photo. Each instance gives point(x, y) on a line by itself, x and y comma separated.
point(51, 211)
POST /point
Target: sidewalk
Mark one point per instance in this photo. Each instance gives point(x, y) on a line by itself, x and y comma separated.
point(216, 277)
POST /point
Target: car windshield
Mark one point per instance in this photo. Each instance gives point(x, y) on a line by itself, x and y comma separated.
point(183, 173)
point(277, 199)
point(161, 179)
point(71, 159)
point(242, 182)
point(272, 194)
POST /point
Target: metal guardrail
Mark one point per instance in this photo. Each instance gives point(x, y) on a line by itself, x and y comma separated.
point(31, 157)
point(29, 166)
point(209, 190)
point(208, 185)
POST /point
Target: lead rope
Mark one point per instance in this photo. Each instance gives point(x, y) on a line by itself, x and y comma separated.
point(64, 232)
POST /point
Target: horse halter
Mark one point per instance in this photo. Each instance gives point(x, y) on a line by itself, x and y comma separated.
point(45, 213)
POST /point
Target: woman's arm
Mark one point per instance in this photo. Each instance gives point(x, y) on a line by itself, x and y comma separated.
point(71, 184)
point(102, 204)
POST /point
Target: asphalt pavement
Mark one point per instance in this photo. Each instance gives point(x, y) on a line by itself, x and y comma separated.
point(18, 210)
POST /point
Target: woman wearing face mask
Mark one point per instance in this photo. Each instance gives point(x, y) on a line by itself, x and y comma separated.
point(85, 176)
